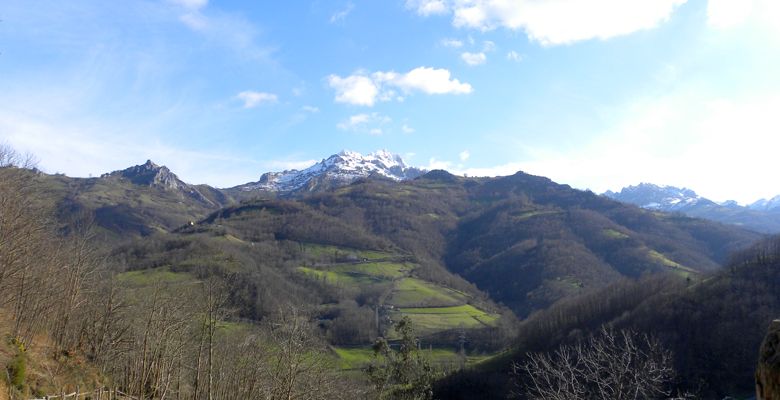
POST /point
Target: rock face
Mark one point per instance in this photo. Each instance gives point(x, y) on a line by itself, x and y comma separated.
point(157, 176)
point(768, 370)
point(151, 174)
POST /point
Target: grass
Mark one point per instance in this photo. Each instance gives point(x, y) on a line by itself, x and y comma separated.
point(358, 274)
point(383, 270)
point(526, 215)
point(411, 292)
point(430, 319)
point(337, 278)
point(670, 263)
point(323, 250)
point(355, 358)
point(613, 234)
point(150, 276)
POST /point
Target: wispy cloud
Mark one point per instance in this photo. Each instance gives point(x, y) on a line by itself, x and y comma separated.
point(341, 15)
point(365, 123)
point(473, 59)
point(232, 31)
point(366, 89)
point(428, 7)
point(253, 99)
point(452, 43)
point(514, 56)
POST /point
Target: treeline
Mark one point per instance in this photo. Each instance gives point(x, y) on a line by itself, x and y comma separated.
point(59, 297)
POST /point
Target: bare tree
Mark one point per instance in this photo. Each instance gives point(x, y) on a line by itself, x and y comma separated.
point(609, 365)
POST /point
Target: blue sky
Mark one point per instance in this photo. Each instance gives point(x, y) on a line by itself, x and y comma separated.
point(598, 94)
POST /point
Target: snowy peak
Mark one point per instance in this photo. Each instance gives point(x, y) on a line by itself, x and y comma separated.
point(766, 205)
point(337, 170)
point(654, 197)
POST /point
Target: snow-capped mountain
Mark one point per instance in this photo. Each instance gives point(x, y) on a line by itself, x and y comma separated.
point(761, 216)
point(337, 170)
point(663, 198)
point(766, 205)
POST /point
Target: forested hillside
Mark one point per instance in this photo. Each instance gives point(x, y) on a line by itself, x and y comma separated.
point(712, 328)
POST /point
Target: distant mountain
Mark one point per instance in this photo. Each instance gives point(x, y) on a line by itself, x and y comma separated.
point(664, 198)
point(337, 170)
point(761, 216)
point(772, 204)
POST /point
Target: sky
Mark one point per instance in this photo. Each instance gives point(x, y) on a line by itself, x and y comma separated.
point(597, 94)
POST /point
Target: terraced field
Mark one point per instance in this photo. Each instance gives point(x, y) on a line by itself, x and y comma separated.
point(355, 358)
point(431, 307)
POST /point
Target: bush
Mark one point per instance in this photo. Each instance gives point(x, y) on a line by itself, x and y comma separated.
point(17, 369)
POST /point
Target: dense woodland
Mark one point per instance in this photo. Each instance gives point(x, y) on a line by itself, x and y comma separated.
point(105, 281)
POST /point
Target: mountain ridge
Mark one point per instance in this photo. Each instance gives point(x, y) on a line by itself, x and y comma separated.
point(762, 216)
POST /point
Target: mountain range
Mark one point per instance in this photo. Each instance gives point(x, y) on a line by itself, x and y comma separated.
point(761, 216)
point(523, 240)
point(477, 264)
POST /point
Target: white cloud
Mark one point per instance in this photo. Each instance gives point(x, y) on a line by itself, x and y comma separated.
point(452, 43)
point(556, 22)
point(473, 58)
point(365, 123)
point(342, 14)
point(431, 81)
point(514, 56)
point(310, 109)
point(253, 99)
point(464, 155)
point(407, 129)
point(366, 89)
point(428, 7)
point(723, 14)
point(488, 46)
point(355, 89)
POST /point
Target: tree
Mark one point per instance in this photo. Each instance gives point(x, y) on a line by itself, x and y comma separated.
point(403, 374)
point(608, 365)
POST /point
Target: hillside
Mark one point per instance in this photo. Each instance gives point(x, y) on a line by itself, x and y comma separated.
point(138, 201)
point(524, 241)
point(713, 328)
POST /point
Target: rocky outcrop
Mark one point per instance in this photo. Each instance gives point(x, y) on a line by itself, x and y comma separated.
point(768, 370)
point(153, 175)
